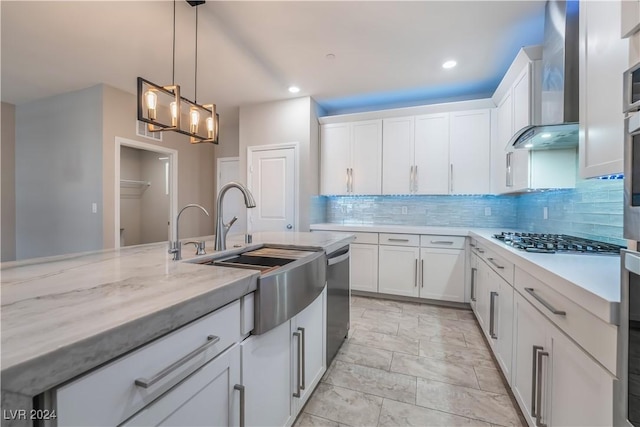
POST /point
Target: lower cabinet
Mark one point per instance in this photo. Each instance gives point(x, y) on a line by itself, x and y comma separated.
point(280, 368)
point(398, 270)
point(363, 271)
point(442, 274)
point(210, 396)
point(554, 381)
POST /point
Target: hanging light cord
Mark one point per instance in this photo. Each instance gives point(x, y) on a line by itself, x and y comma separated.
point(195, 91)
point(173, 71)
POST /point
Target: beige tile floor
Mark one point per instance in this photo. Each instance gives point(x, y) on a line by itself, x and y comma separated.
point(408, 364)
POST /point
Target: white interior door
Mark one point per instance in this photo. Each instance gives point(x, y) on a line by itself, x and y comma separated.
point(272, 180)
point(233, 204)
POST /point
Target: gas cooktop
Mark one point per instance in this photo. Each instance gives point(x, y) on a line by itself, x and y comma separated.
point(553, 243)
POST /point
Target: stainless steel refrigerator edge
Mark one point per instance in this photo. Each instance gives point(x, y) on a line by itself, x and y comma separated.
point(337, 300)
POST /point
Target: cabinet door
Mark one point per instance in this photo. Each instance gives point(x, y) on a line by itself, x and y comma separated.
point(308, 349)
point(581, 389)
point(504, 115)
point(398, 270)
point(482, 295)
point(603, 59)
point(207, 397)
point(504, 326)
point(398, 155)
point(470, 152)
point(473, 280)
point(335, 156)
point(442, 274)
point(529, 339)
point(266, 375)
point(519, 160)
point(366, 157)
point(431, 154)
point(363, 267)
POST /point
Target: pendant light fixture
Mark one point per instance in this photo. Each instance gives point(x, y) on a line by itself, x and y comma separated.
point(162, 107)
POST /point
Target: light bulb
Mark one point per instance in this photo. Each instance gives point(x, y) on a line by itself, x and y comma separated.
point(195, 118)
point(151, 100)
point(210, 127)
point(174, 113)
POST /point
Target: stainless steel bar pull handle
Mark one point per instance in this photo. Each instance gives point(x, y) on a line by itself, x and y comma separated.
point(492, 315)
point(298, 388)
point(347, 181)
point(351, 180)
point(442, 242)
point(302, 372)
point(474, 272)
point(415, 179)
point(148, 382)
point(240, 388)
point(411, 179)
point(415, 275)
point(397, 240)
point(546, 305)
point(422, 272)
point(539, 422)
point(492, 261)
point(534, 379)
point(509, 182)
point(451, 178)
point(480, 250)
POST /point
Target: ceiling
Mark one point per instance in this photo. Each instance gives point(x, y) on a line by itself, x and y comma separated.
point(386, 53)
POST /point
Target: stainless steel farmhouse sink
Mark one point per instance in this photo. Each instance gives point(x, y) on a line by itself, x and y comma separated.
point(290, 279)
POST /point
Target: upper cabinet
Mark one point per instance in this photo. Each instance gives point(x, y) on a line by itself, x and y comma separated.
point(351, 158)
point(630, 17)
point(469, 152)
point(416, 155)
point(603, 59)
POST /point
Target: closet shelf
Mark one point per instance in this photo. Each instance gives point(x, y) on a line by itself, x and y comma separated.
point(134, 183)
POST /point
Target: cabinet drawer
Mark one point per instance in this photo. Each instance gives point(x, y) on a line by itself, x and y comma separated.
point(366, 238)
point(594, 335)
point(437, 241)
point(497, 263)
point(399, 239)
point(109, 395)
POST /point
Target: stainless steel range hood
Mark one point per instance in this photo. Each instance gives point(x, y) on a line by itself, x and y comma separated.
point(558, 128)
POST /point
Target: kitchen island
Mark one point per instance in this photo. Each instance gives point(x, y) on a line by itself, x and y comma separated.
point(65, 315)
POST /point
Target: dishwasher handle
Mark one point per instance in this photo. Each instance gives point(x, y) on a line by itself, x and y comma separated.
point(338, 256)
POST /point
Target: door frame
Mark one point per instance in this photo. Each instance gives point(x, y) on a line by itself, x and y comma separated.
point(296, 173)
point(219, 162)
point(173, 181)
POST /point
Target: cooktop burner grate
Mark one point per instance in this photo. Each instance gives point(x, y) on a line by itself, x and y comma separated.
point(552, 243)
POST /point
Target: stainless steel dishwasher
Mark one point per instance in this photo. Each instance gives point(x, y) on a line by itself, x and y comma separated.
point(337, 300)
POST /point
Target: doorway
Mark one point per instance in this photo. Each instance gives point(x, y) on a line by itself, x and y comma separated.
point(146, 192)
point(273, 179)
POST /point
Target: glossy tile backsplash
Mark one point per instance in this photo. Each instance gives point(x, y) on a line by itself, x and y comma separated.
point(593, 209)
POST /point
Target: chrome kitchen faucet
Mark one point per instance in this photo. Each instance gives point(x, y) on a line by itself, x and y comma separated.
point(175, 247)
point(221, 228)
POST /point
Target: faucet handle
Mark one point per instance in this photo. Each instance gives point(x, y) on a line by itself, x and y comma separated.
point(200, 246)
point(233, 220)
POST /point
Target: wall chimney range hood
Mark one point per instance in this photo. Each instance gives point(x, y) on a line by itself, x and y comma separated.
point(558, 128)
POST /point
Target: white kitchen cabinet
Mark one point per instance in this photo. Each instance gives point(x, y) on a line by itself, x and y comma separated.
point(210, 396)
point(363, 267)
point(442, 274)
point(416, 155)
point(499, 157)
point(500, 330)
point(553, 378)
point(603, 59)
point(351, 158)
point(518, 160)
point(431, 171)
point(398, 159)
point(398, 270)
point(469, 152)
point(482, 292)
point(473, 278)
point(271, 370)
point(630, 17)
point(308, 346)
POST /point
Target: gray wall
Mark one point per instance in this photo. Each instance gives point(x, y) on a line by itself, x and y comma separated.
point(293, 120)
point(8, 203)
point(59, 174)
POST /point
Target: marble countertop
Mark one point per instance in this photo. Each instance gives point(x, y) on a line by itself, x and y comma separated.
point(592, 281)
point(61, 316)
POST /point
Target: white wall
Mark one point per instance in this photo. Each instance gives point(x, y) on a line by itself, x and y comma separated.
point(59, 174)
point(8, 200)
point(293, 120)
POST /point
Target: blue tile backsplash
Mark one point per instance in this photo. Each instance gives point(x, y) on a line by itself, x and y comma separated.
point(593, 210)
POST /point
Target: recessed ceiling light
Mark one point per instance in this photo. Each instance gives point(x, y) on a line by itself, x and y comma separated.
point(449, 64)
point(545, 135)
point(528, 145)
point(294, 89)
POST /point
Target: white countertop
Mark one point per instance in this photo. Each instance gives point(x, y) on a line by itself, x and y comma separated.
point(64, 315)
point(592, 281)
